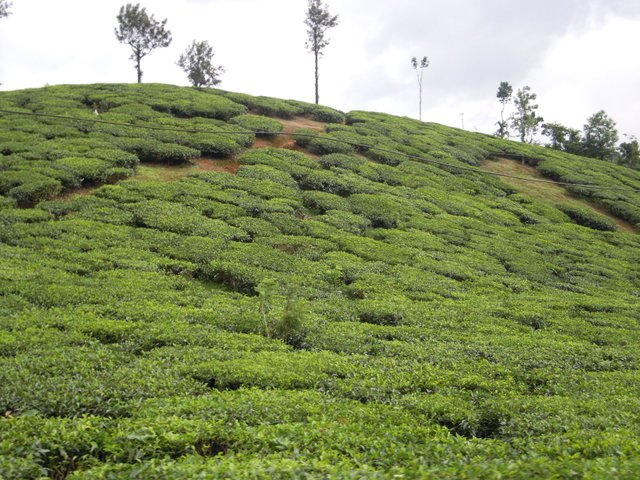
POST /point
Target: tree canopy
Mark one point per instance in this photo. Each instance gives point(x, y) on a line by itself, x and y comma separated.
point(630, 153)
point(143, 33)
point(4, 8)
point(525, 120)
point(600, 136)
point(563, 138)
point(318, 21)
point(196, 61)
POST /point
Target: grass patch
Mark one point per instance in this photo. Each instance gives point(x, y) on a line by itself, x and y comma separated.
point(548, 193)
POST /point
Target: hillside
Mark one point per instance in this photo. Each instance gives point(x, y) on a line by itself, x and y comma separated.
point(186, 294)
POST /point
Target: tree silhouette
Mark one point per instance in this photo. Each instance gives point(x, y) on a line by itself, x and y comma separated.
point(505, 91)
point(141, 32)
point(419, 68)
point(196, 62)
point(4, 8)
point(318, 20)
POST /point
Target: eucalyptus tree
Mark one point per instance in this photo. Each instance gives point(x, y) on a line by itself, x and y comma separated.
point(143, 33)
point(505, 91)
point(318, 21)
point(420, 68)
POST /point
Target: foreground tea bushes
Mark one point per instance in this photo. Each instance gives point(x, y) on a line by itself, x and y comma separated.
point(348, 316)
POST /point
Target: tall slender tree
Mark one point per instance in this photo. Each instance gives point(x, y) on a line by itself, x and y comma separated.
point(141, 32)
point(505, 91)
point(419, 68)
point(5, 5)
point(318, 21)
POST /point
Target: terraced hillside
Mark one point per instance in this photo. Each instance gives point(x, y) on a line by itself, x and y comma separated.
point(358, 302)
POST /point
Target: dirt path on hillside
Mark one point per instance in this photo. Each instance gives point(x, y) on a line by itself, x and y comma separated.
point(171, 173)
point(284, 140)
point(548, 193)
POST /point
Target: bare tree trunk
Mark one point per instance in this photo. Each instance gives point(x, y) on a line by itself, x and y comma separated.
point(138, 58)
point(419, 78)
point(420, 99)
point(317, 96)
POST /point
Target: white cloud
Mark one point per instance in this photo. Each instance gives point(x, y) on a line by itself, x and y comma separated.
point(574, 54)
point(591, 69)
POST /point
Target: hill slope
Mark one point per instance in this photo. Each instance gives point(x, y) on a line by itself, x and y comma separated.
point(361, 309)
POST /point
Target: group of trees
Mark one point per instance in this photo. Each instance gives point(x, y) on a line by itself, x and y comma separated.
point(525, 120)
point(598, 139)
point(143, 33)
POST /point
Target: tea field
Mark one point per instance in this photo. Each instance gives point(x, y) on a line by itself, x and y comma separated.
point(364, 303)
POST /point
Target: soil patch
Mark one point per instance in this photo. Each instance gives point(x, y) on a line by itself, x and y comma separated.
point(216, 165)
point(292, 124)
point(163, 173)
point(549, 193)
point(78, 192)
point(285, 140)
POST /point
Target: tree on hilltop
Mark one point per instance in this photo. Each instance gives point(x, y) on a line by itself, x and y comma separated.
point(419, 68)
point(318, 20)
point(563, 138)
point(505, 91)
point(141, 32)
point(630, 153)
point(5, 5)
point(525, 121)
point(600, 137)
point(196, 62)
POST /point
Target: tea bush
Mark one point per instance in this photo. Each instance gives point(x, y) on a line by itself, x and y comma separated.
point(418, 320)
point(265, 126)
point(588, 218)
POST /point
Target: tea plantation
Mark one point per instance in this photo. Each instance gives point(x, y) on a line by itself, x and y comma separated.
point(363, 304)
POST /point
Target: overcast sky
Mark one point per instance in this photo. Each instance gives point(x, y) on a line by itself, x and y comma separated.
point(579, 56)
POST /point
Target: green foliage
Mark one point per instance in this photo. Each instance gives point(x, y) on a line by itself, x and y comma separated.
point(600, 137)
point(148, 150)
point(265, 126)
point(563, 138)
point(525, 120)
point(271, 107)
point(196, 63)
point(331, 317)
point(505, 91)
point(320, 144)
point(630, 153)
point(143, 33)
point(588, 218)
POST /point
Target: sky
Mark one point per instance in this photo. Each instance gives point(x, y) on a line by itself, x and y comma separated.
point(578, 56)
